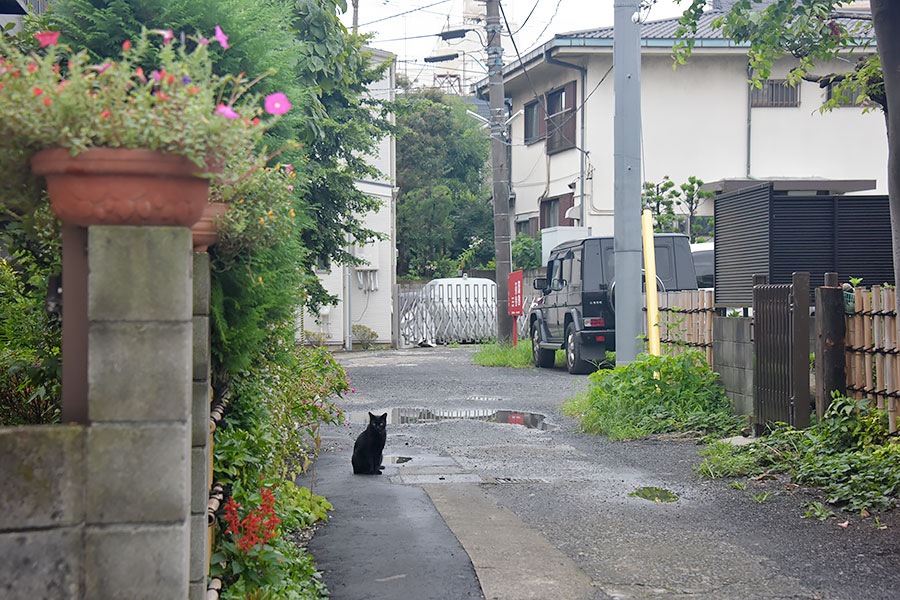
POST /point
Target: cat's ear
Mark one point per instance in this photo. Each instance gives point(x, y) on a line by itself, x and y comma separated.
point(383, 417)
point(372, 417)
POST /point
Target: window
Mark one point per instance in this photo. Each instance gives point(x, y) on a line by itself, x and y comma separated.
point(553, 211)
point(775, 93)
point(561, 118)
point(534, 123)
point(851, 96)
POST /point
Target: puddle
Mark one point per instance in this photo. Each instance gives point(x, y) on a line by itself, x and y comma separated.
point(654, 494)
point(398, 460)
point(402, 416)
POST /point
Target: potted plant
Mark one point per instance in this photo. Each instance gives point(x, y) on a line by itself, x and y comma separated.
point(119, 145)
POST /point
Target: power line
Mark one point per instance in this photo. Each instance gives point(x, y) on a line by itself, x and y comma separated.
point(405, 12)
point(522, 26)
point(556, 10)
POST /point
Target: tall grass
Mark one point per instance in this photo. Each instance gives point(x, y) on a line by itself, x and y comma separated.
point(503, 355)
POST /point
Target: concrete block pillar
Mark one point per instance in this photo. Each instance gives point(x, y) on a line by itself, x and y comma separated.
point(200, 427)
point(137, 447)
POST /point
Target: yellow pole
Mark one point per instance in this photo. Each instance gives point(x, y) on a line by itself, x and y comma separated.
point(650, 275)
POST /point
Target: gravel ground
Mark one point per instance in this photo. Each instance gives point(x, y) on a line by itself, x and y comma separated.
point(715, 542)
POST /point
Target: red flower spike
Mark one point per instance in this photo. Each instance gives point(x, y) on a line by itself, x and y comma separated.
point(46, 101)
point(37, 91)
point(126, 45)
point(47, 38)
point(32, 67)
point(104, 114)
point(170, 80)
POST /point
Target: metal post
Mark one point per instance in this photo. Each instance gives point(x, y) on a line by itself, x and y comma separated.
point(502, 256)
point(627, 188)
point(831, 336)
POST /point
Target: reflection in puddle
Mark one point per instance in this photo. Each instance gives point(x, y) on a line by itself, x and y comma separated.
point(401, 416)
point(655, 494)
point(398, 460)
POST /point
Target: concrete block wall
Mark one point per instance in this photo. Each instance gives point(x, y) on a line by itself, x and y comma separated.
point(103, 510)
point(200, 403)
point(733, 360)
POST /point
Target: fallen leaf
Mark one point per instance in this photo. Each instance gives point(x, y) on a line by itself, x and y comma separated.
point(763, 476)
point(844, 524)
point(864, 513)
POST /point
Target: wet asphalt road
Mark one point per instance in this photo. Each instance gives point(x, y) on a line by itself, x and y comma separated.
point(716, 542)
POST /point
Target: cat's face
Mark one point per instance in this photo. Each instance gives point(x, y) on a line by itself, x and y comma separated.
point(379, 423)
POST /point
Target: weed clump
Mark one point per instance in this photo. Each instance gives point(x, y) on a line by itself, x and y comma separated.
point(848, 455)
point(655, 394)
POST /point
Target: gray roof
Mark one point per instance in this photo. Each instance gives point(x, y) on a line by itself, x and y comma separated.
point(665, 29)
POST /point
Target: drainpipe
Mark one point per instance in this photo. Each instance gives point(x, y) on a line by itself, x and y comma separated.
point(583, 71)
point(749, 114)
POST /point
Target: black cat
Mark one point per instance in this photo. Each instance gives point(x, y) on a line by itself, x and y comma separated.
point(367, 451)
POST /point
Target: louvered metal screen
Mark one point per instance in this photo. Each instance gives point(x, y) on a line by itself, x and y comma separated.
point(741, 243)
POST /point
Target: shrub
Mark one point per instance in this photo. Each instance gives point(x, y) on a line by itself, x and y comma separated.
point(655, 394)
point(364, 336)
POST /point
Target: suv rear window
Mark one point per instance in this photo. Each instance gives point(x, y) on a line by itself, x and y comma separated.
point(593, 266)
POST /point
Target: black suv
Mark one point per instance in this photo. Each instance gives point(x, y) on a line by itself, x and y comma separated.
point(576, 311)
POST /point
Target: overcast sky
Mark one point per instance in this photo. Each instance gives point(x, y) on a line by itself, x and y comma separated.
point(411, 36)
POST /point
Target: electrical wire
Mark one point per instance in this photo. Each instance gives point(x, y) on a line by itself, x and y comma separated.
point(522, 26)
point(404, 13)
point(541, 34)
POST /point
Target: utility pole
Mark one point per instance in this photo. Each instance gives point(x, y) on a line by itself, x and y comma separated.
point(500, 169)
point(355, 16)
point(627, 178)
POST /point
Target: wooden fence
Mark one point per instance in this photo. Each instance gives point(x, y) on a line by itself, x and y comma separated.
point(685, 321)
point(873, 364)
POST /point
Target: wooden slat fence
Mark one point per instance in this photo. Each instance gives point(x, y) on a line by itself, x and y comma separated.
point(873, 364)
point(685, 321)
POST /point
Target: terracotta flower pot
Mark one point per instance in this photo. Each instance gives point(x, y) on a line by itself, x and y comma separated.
point(122, 186)
point(204, 230)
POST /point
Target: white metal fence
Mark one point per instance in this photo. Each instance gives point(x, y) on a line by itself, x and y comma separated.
point(449, 310)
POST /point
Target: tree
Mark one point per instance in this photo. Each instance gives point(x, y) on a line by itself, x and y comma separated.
point(443, 202)
point(661, 199)
point(691, 198)
point(811, 32)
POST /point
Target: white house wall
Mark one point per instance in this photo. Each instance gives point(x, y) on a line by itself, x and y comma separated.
point(370, 307)
point(694, 123)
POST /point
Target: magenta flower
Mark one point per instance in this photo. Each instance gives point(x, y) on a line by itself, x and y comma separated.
point(227, 112)
point(167, 34)
point(47, 38)
point(204, 41)
point(221, 37)
point(277, 104)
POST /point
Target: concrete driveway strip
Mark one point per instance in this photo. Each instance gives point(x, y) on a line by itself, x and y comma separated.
point(384, 541)
point(513, 561)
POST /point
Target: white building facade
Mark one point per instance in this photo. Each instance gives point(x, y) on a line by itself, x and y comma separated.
point(366, 292)
point(702, 119)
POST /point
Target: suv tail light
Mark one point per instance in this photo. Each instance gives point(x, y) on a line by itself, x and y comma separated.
point(594, 322)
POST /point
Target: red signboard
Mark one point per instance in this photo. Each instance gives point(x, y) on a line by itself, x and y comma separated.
point(516, 418)
point(515, 293)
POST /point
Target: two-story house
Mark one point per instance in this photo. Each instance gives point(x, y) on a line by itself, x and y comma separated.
point(702, 119)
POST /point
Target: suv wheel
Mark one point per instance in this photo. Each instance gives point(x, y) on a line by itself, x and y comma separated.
point(574, 363)
point(542, 358)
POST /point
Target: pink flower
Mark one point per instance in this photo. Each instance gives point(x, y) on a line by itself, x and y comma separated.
point(102, 68)
point(47, 38)
point(289, 167)
point(204, 41)
point(227, 112)
point(221, 37)
point(126, 45)
point(167, 34)
point(277, 104)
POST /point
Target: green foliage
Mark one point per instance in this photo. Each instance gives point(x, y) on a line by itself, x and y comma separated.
point(691, 198)
point(805, 30)
point(278, 568)
point(364, 336)
point(504, 355)
point(443, 202)
point(661, 199)
point(29, 347)
point(655, 394)
point(848, 454)
point(526, 252)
